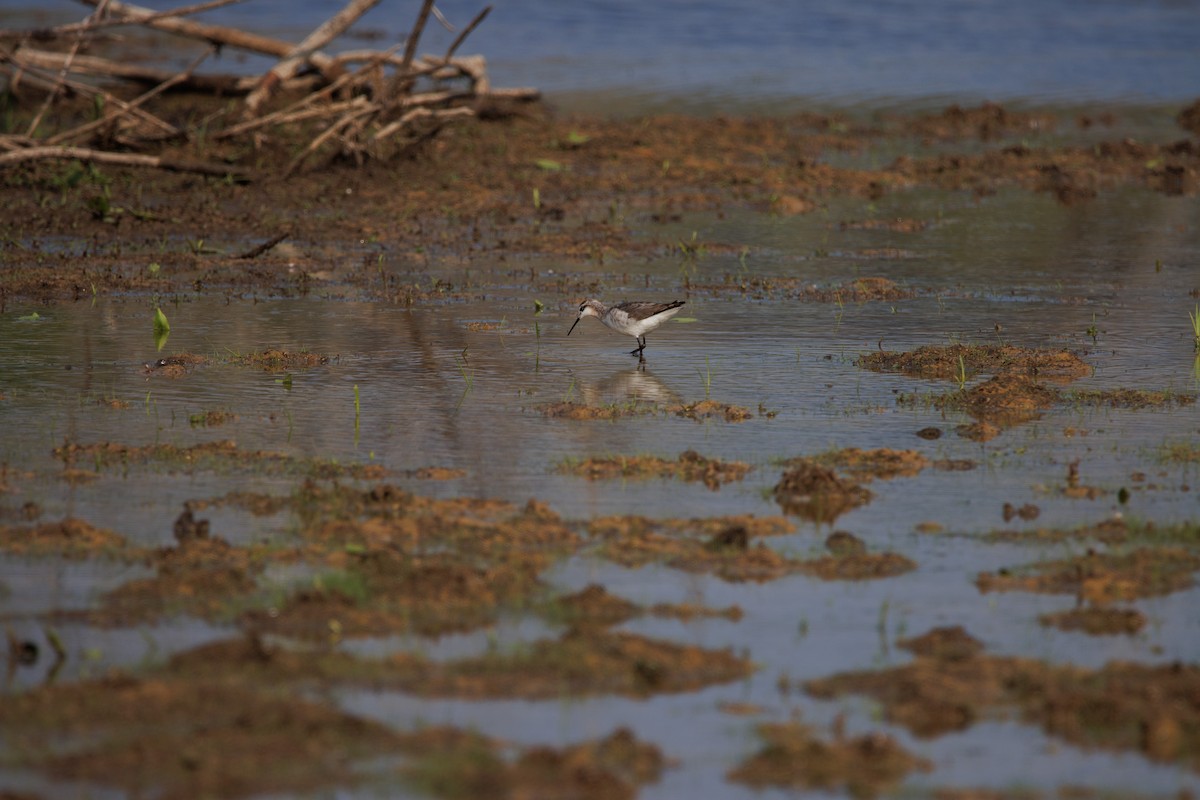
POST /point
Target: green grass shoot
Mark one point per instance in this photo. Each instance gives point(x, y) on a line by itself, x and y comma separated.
point(1194, 316)
point(162, 328)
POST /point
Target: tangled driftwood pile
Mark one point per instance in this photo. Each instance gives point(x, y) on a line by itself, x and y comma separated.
point(362, 102)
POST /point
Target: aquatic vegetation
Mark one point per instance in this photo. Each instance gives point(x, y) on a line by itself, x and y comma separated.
point(162, 328)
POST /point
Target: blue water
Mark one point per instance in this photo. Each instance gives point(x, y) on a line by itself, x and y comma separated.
point(758, 55)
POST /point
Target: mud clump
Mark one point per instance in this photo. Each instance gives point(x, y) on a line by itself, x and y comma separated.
point(190, 739)
point(594, 605)
point(728, 552)
point(690, 466)
point(437, 473)
point(986, 122)
point(384, 592)
point(201, 576)
point(711, 409)
point(944, 644)
point(793, 757)
point(816, 493)
point(718, 546)
point(180, 739)
point(280, 360)
point(175, 366)
point(584, 662)
point(1151, 709)
point(1096, 621)
point(1102, 577)
point(456, 764)
point(572, 410)
point(70, 538)
point(216, 456)
point(1130, 398)
point(884, 463)
point(1004, 400)
point(943, 362)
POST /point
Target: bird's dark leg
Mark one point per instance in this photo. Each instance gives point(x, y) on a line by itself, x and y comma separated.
point(641, 340)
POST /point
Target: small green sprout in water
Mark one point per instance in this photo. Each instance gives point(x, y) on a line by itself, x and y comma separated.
point(706, 376)
point(537, 199)
point(538, 307)
point(154, 267)
point(961, 375)
point(162, 328)
point(1092, 330)
point(1194, 316)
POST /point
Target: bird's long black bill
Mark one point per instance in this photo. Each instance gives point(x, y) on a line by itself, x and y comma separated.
point(576, 322)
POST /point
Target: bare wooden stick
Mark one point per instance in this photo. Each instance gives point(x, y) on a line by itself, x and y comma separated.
point(291, 63)
point(112, 118)
point(255, 252)
point(392, 128)
point(33, 75)
point(119, 159)
point(62, 75)
point(94, 65)
point(402, 82)
point(48, 34)
point(216, 34)
point(284, 118)
point(327, 134)
point(462, 37)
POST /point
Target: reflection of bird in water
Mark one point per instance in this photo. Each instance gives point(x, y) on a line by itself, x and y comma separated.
point(631, 384)
point(634, 318)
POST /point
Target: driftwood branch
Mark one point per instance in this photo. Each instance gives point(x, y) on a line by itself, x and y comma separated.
point(112, 117)
point(356, 103)
point(214, 34)
point(120, 159)
point(255, 252)
point(296, 58)
point(50, 34)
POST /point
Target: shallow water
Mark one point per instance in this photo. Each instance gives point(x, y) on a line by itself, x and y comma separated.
point(1014, 267)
